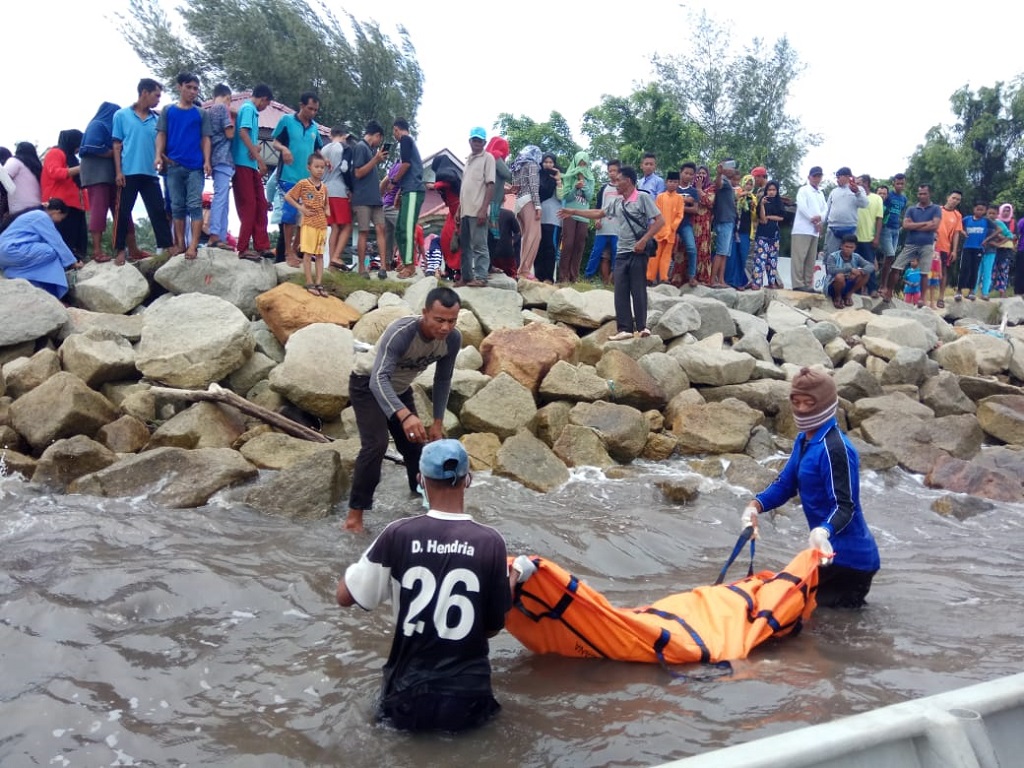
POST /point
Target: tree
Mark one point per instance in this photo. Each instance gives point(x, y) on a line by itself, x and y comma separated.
point(645, 121)
point(358, 71)
point(553, 135)
point(739, 103)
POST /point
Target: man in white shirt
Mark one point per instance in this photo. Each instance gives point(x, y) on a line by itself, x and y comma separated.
point(810, 210)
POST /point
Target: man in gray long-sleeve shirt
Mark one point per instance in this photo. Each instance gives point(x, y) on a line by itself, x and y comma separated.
point(381, 394)
point(841, 212)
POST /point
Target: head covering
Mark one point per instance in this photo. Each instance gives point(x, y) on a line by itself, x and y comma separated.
point(844, 171)
point(821, 388)
point(478, 133)
point(529, 154)
point(759, 171)
point(444, 460)
point(708, 181)
point(98, 134)
point(25, 151)
point(672, 176)
point(749, 178)
point(5, 155)
point(69, 142)
point(577, 170)
point(816, 171)
point(1006, 213)
point(498, 147)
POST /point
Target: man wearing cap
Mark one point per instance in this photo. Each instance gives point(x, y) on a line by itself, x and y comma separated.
point(475, 205)
point(803, 248)
point(824, 469)
point(380, 390)
point(450, 585)
point(760, 174)
point(841, 211)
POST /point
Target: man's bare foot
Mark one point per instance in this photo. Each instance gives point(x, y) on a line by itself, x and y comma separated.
point(354, 521)
point(191, 254)
point(292, 259)
point(119, 259)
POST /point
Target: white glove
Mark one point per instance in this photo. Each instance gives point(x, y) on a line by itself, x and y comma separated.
point(819, 540)
point(749, 518)
point(525, 567)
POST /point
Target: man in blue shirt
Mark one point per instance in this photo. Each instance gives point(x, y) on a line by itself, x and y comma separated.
point(651, 183)
point(250, 168)
point(296, 137)
point(920, 222)
point(135, 164)
point(892, 219)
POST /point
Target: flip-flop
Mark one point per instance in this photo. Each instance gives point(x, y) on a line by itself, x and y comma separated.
point(341, 266)
point(140, 256)
point(250, 256)
point(102, 258)
point(940, 304)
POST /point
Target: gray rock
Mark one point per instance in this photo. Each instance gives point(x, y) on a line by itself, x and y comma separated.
point(751, 302)
point(530, 462)
point(172, 477)
point(309, 489)
point(1002, 417)
point(755, 346)
point(62, 406)
point(503, 406)
point(98, 356)
point(763, 395)
point(69, 459)
point(631, 384)
point(362, 301)
point(581, 310)
point(550, 420)
point(886, 349)
point(222, 274)
point(961, 506)
point(124, 435)
point(28, 313)
point(979, 387)
point(622, 429)
point(265, 341)
point(82, 320)
point(889, 405)
point(110, 288)
point(781, 316)
point(749, 325)
point(464, 385)
point(710, 366)
point(536, 294)
point(760, 446)
point(202, 425)
point(714, 317)
point(253, 371)
point(678, 490)
point(26, 373)
point(470, 328)
point(825, 331)
point(372, 325)
point(716, 427)
point(854, 382)
point(837, 350)
point(930, 320)
point(767, 370)
point(469, 359)
point(192, 341)
point(799, 346)
point(909, 366)
point(918, 444)
point(314, 374)
point(581, 447)
point(494, 308)
point(748, 473)
point(901, 330)
point(991, 352)
point(665, 370)
point(851, 322)
point(566, 381)
point(943, 395)
point(680, 318)
point(957, 357)
point(1013, 310)
point(17, 463)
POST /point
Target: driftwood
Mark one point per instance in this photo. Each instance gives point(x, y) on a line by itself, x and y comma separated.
point(217, 394)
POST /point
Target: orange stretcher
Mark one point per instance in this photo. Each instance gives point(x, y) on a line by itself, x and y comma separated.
point(554, 612)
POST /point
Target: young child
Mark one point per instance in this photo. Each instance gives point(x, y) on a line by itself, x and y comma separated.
point(935, 281)
point(912, 283)
point(988, 253)
point(310, 197)
point(671, 204)
point(434, 257)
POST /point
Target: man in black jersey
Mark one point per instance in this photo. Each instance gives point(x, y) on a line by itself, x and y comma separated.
point(450, 583)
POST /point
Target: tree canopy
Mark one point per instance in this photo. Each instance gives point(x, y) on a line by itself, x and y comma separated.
point(553, 135)
point(358, 71)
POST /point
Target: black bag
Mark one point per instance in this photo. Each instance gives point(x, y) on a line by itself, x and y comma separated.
point(348, 167)
point(652, 245)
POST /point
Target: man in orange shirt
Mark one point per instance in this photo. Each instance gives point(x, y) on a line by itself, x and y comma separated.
point(670, 203)
point(947, 238)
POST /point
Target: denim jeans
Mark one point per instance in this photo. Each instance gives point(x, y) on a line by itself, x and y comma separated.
point(724, 238)
point(690, 243)
point(600, 243)
point(887, 242)
point(222, 173)
point(185, 188)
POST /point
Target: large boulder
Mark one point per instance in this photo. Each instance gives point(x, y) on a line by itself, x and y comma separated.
point(503, 406)
point(853, 381)
point(193, 340)
point(715, 427)
point(28, 313)
point(308, 490)
point(716, 367)
point(748, 473)
point(578, 383)
point(852, 322)
point(124, 435)
point(482, 449)
point(909, 366)
point(274, 450)
point(714, 317)
point(62, 406)
point(529, 461)
point(172, 477)
point(895, 403)
point(764, 395)
point(110, 288)
point(581, 447)
point(220, 273)
point(69, 459)
point(314, 375)
point(961, 476)
point(203, 425)
point(942, 393)
point(371, 326)
point(680, 318)
point(665, 370)
point(581, 310)
point(1002, 417)
point(289, 307)
point(494, 308)
point(98, 356)
point(82, 320)
point(957, 357)
point(622, 429)
point(782, 316)
point(919, 443)
point(528, 353)
point(992, 353)
point(23, 374)
point(901, 330)
point(629, 383)
point(550, 420)
point(799, 346)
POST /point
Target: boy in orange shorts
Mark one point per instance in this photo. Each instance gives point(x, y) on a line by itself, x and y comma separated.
point(310, 197)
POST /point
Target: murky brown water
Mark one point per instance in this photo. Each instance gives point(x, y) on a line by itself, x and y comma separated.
point(135, 635)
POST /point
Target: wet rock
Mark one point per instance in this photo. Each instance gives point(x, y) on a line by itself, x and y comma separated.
point(960, 506)
point(622, 429)
point(274, 450)
point(482, 448)
point(631, 384)
point(314, 375)
point(503, 407)
point(62, 406)
point(566, 381)
point(11, 439)
point(494, 308)
point(660, 446)
point(748, 473)
point(962, 476)
point(919, 444)
point(722, 427)
point(68, 459)
point(28, 313)
point(172, 477)
point(581, 447)
point(98, 356)
point(581, 310)
point(24, 374)
point(530, 462)
point(873, 457)
point(221, 273)
point(110, 288)
point(678, 490)
point(1002, 417)
point(550, 420)
point(202, 425)
point(712, 467)
point(528, 353)
point(191, 341)
point(760, 445)
point(124, 435)
point(16, 463)
point(309, 489)
point(713, 366)
point(943, 395)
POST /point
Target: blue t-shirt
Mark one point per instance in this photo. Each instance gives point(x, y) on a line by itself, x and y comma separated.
point(185, 129)
point(912, 280)
point(248, 117)
point(977, 231)
point(692, 193)
point(917, 214)
point(302, 141)
point(895, 204)
point(138, 141)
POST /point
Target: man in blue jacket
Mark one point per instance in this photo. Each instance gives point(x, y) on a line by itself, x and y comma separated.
point(825, 470)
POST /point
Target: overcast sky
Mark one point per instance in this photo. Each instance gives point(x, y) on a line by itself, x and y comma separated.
point(877, 76)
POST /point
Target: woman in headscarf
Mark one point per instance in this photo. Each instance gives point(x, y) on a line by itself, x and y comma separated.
point(702, 222)
point(6, 183)
point(551, 193)
point(736, 268)
point(448, 184)
point(579, 190)
point(824, 469)
point(25, 171)
point(61, 181)
point(771, 211)
point(97, 178)
point(32, 249)
point(526, 187)
point(1005, 249)
point(497, 148)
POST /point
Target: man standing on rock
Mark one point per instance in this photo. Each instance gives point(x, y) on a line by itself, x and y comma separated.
point(381, 394)
point(810, 212)
point(250, 168)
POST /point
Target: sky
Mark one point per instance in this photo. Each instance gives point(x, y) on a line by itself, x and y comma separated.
point(875, 80)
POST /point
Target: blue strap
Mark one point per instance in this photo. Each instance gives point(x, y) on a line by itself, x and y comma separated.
point(745, 536)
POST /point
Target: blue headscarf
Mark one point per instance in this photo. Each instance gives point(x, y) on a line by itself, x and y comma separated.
point(98, 137)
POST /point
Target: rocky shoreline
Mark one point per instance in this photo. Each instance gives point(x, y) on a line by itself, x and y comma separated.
point(538, 388)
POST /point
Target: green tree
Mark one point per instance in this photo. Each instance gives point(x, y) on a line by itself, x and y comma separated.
point(553, 135)
point(358, 71)
point(645, 121)
point(739, 102)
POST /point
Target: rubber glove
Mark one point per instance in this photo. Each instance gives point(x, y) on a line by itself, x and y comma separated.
point(525, 567)
point(819, 540)
point(749, 518)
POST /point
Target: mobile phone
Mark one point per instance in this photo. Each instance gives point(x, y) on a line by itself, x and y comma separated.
point(387, 146)
point(730, 164)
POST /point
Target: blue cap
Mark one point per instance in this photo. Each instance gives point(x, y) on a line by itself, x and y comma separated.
point(478, 133)
point(444, 460)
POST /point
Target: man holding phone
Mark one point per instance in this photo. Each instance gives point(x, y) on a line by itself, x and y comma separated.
point(367, 207)
point(841, 211)
point(408, 178)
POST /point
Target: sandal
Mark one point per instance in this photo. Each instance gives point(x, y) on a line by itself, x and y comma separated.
point(341, 266)
point(268, 255)
point(476, 284)
point(645, 333)
point(971, 297)
point(940, 304)
point(848, 302)
point(311, 289)
point(102, 259)
point(140, 256)
point(249, 256)
point(407, 271)
point(837, 303)
point(321, 291)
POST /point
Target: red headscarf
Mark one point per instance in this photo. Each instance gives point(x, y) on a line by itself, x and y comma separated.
point(498, 147)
